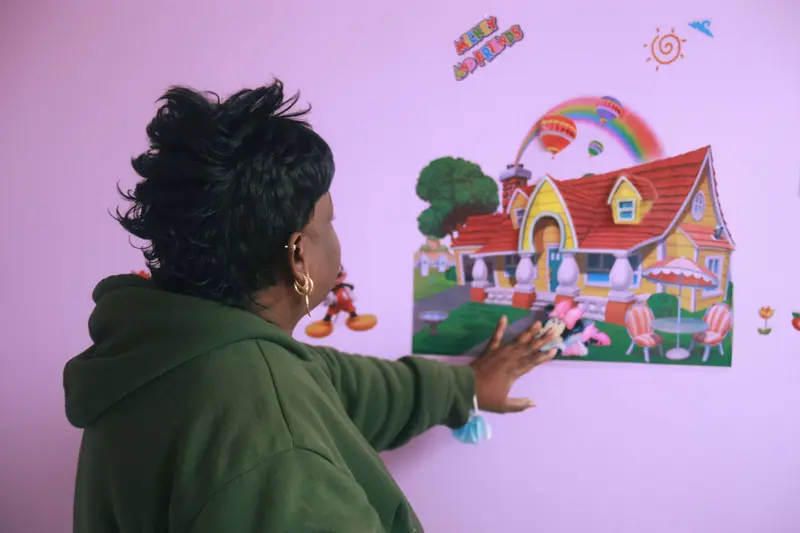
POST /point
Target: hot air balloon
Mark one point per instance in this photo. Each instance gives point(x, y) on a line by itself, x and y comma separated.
point(556, 132)
point(608, 108)
point(595, 148)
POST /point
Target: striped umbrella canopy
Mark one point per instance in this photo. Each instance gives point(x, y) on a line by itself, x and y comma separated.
point(681, 271)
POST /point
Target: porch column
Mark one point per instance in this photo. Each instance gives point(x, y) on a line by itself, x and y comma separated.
point(567, 276)
point(480, 280)
point(620, 297)
point(524, 291)
point(661, 254)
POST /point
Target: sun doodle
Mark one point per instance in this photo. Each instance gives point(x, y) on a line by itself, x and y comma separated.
point(665, 49)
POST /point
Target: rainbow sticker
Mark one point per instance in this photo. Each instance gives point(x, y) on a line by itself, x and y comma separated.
point(625, 126)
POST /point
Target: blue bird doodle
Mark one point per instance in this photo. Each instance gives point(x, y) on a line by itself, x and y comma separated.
point(703, 26)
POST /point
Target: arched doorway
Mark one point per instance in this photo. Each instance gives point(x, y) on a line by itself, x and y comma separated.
point(547, 244)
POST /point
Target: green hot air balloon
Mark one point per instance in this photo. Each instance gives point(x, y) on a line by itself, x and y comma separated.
point(595, 148)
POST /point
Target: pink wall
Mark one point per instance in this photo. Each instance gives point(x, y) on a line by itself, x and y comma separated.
point(612, 448)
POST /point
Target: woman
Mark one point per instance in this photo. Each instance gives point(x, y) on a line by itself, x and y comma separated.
point(200, 411)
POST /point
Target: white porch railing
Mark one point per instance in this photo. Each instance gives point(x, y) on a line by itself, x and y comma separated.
point(543, 299)
point(594, 307)
point(499, 296)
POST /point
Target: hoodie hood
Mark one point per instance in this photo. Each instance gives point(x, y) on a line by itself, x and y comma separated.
point(139, 332)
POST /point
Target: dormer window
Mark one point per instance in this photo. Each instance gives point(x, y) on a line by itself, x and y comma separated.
point(622, 201)
point(626, 209)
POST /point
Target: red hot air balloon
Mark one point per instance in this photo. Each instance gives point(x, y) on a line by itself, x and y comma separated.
point(556, 132)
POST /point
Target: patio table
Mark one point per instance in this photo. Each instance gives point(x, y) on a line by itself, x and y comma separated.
point(683, 326)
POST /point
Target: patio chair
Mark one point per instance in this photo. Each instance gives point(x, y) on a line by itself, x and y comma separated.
point(639, 323)
point(719, 318)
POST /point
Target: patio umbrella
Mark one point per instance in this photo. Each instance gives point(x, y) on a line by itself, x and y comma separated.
point(682, 272)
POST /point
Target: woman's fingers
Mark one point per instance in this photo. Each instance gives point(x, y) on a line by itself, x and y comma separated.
point(529, 334)
point(517, 405)
point(497, 336)
point(537, 343)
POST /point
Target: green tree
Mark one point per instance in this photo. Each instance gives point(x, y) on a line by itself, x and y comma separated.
point(455, 189)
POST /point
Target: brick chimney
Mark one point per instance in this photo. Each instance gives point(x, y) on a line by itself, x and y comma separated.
point(512, 178)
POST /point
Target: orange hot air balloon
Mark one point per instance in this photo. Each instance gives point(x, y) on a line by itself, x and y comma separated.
point(556, 132)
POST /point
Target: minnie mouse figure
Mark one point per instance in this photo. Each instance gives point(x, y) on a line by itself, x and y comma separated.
point(572, 336)
point(340, 300)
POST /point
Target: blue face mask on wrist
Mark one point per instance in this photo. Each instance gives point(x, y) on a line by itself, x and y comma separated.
point(476, 430)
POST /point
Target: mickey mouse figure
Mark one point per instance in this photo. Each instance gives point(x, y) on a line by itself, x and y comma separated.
point(340, 300)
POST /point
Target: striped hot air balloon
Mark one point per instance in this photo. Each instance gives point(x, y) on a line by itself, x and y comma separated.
point(595, 148)
point(556, 132)
point(608, 108)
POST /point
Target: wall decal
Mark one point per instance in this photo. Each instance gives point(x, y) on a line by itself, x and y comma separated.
point(341, 300)
point(571, 335)
point(629, 265)
point(491, 45)
point(703, 26)
point(665, 49)
point(766, 313)
point(796, 321)
point(595, 148)
point(626, 127)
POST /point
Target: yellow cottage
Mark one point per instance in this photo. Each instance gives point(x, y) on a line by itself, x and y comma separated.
point(589, 239)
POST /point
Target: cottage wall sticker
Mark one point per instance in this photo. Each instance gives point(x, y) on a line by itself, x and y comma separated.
point(631, 264)
point(341, 300)
point(483, 43)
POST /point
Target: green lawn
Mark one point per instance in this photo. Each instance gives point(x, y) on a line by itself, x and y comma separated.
point(465, 328)
point(431, 284)
point(663, 305)
point(473, 323)
point(620, 341)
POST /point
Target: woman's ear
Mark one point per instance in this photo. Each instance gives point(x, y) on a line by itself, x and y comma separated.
point(296, 257)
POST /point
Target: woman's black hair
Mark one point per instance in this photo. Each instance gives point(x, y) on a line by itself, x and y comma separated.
point(224, 184)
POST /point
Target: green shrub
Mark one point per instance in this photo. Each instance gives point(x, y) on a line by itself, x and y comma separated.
point(450, 274)
point(729, 300)
point(664, 305)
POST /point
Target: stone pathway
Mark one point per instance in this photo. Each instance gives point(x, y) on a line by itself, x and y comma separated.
point(514, 329)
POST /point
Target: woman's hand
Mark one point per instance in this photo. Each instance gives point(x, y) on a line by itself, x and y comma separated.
point(502, 364)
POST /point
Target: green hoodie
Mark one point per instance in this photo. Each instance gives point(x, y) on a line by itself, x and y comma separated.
point(202, 418)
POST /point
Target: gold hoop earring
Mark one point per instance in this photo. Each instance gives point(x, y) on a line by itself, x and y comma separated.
point(304, 290)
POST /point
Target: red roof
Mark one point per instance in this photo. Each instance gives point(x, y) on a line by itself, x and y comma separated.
point(667, 183)
point(495, 232)
point(703, 237)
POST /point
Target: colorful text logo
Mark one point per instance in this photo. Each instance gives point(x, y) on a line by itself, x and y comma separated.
point(490, 49)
